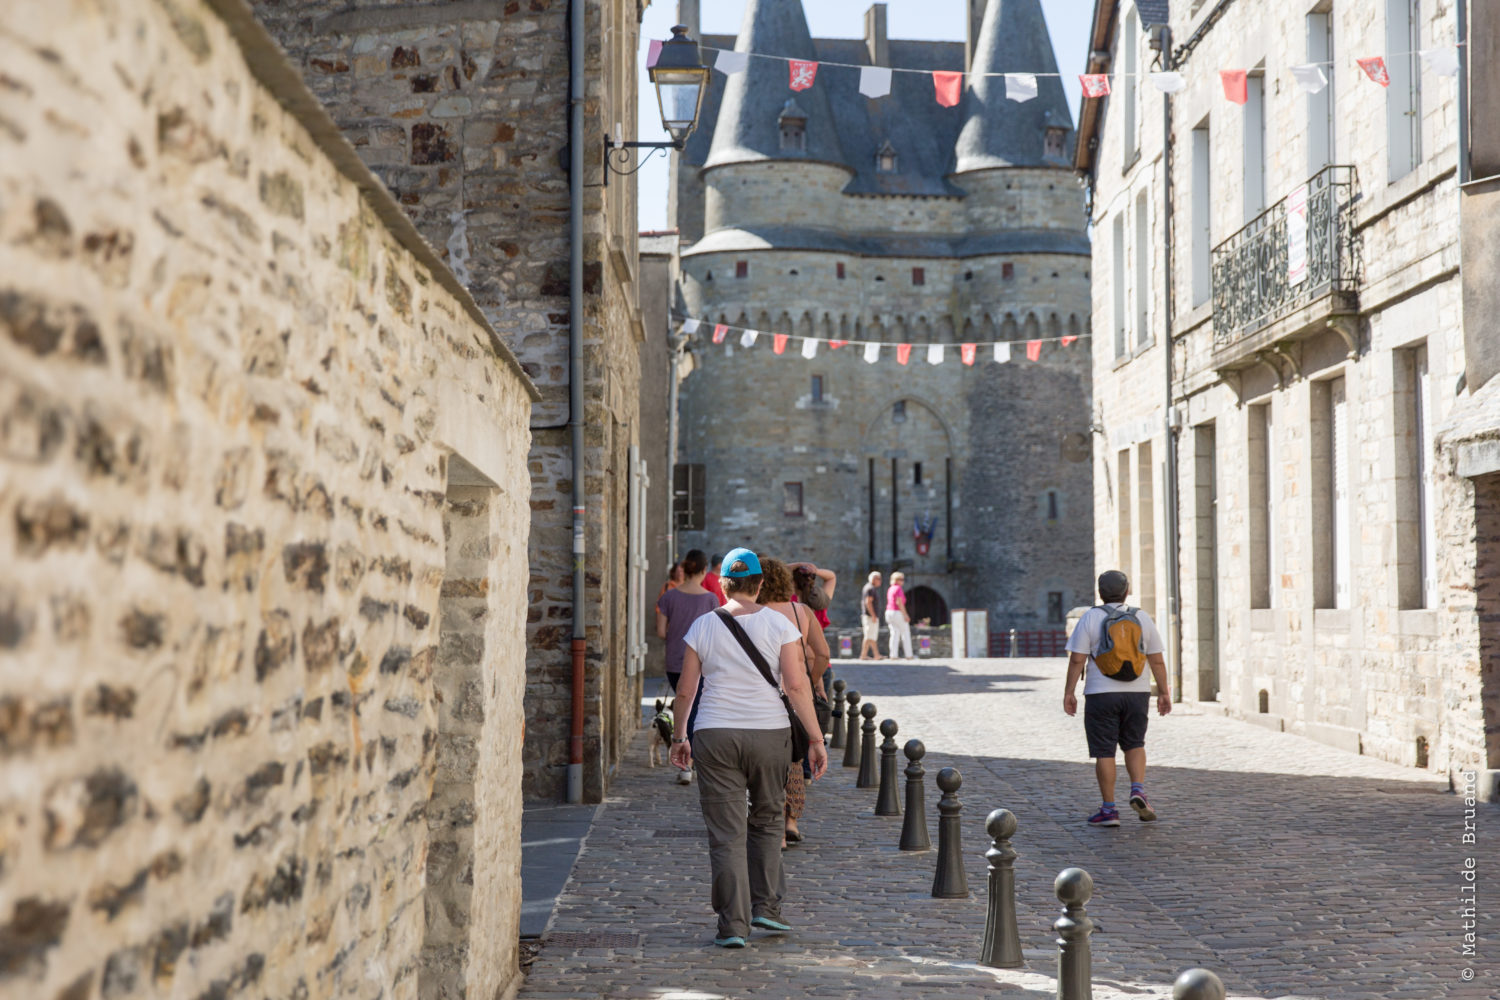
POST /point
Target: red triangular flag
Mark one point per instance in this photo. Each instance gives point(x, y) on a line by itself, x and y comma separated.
point(903, 353)
point(1068, 340)
point(834, 345)
point(1236, 85)
point(949, 86)
point(802, 73)
point(1033, 350)
point(719, 330)
point(1374, 68)
point(966, 351)
point(1094, 84)
point(778, 342)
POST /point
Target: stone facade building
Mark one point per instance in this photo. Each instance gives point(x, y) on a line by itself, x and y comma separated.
point(1323, 547)
point(263, 522)
point(461, 108)
point(823, 213)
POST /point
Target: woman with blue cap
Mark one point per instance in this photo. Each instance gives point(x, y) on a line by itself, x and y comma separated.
point(747, 656)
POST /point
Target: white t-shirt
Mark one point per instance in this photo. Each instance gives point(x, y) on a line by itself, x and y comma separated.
point(1089, 633)
point(735, 694)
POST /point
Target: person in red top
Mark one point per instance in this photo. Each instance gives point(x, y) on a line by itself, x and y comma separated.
point(711, 581)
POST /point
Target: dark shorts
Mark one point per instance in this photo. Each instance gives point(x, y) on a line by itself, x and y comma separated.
point(1115, 718)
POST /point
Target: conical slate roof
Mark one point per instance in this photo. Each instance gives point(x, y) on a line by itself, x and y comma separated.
point(747, 127)
point(1000, 133)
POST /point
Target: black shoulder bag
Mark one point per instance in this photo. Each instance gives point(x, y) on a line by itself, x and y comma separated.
point(799, 733)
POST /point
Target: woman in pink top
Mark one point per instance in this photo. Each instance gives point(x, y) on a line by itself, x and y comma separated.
point(896, 616)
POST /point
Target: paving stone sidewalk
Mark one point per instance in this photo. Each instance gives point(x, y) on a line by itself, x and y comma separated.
point(1292, 869)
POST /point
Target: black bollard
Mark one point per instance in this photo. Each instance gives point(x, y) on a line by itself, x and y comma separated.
point(867, 777)
point(833, 702)
point(1198, 984)
point(1074, 888)
point(888, 802)
point(1002, 941)
point(914, 827)
point(851, 736)
point(838, 715)
point(950, 881)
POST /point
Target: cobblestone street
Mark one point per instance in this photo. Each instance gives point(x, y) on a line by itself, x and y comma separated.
point(1292, 869)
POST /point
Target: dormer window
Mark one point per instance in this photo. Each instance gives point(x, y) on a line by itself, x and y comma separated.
point(1056, 140)
point(793, 124)
point(885, 158)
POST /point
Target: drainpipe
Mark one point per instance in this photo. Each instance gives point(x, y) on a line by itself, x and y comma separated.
point(575, 378)
point(676, 344)
point(1174, 570)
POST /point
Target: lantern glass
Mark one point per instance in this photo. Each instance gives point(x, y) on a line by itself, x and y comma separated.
point(679, 93)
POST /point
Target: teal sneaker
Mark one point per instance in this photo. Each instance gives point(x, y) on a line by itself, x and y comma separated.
point(767, 924)
point(732, 941)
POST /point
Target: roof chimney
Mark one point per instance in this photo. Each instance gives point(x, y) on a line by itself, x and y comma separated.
point(687, 13)
point(876, 43)
point(971, 40)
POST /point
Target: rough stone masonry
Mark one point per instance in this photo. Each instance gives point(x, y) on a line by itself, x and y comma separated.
point(263, 523)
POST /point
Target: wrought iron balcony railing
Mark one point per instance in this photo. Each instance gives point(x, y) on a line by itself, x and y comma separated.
point(1297, 251)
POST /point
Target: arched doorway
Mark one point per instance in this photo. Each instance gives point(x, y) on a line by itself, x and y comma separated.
point(924, 602)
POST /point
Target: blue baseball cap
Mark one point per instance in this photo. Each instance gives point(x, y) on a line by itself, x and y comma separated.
point(740, 555)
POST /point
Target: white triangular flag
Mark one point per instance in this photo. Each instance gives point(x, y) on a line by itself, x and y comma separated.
point(747, 339)
point(1168, 83)
point(730, 63)
point(1310, 78)
point(874, 81)
point(690, 326)
point(1002, 353)
point(1020, 86)
point(1443, 61)
point(934, 354)
point(872, 353)
point(809, 348)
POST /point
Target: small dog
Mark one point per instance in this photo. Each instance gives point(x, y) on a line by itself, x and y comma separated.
point(661, 730)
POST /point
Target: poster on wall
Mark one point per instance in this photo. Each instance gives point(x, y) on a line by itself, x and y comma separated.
point(1296, 236)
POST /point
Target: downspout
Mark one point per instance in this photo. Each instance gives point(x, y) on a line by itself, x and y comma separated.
point(1174, 569)
point(575, 379)
point(675, 343)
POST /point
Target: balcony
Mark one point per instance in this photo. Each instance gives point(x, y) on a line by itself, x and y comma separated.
point(1292, 272)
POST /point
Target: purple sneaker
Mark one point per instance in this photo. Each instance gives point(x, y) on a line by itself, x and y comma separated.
point(1142, 807)
point(1105, 817)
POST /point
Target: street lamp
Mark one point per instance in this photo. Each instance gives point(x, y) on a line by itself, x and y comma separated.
point(681, 80)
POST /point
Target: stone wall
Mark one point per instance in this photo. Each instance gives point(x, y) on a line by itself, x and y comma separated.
point(241, 404)
point(461, 108)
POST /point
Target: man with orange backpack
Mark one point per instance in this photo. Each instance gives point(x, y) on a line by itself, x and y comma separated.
point(1115, 643)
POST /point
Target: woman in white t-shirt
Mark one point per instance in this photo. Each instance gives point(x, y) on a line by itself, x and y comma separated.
point(742, 744)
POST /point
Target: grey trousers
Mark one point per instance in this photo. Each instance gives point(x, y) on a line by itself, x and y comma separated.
point(744, 850)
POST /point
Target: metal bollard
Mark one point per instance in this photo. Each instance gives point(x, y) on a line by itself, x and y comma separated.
point(867, 778)
point(914, 827)
point(828, 681)
point(1198, 984)
point(838, 715)
point(1014, 643)
point(851, 726)
point(888, 802)
point(950, 881)
point(1074, 887)
point(1002, 941)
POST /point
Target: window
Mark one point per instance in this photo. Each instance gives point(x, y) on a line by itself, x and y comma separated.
point(1403, 98)
point(817, 388)
point(742, 269)
point(839, 270)
point(791, 499)
point(1122, 495)
point(1255, 143)
point(1052, 511)
point(1320, 105)
point(1202, 245)
point(1262, 520)
point(918, 276)
point(1055, 142)
point(1130, 33)
point(898, 412)
point(916, 473)
point(793, 124)
point(1055, 607)
point(1143, 268)
point(1144, 583)
point(885, 158)
point(1330, 495)
point(1007, 271)
point(1122, 321)
point(1416, 560)
point(687, 497)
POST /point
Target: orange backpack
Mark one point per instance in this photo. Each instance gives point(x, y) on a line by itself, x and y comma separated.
point(1119, 655)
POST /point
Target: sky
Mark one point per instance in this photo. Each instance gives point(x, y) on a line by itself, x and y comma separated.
point(1068, 21)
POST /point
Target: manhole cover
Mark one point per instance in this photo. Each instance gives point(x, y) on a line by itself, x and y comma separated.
point(682, 833)
point(591, 939)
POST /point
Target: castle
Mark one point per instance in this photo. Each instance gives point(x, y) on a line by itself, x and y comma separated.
point(824, 213)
